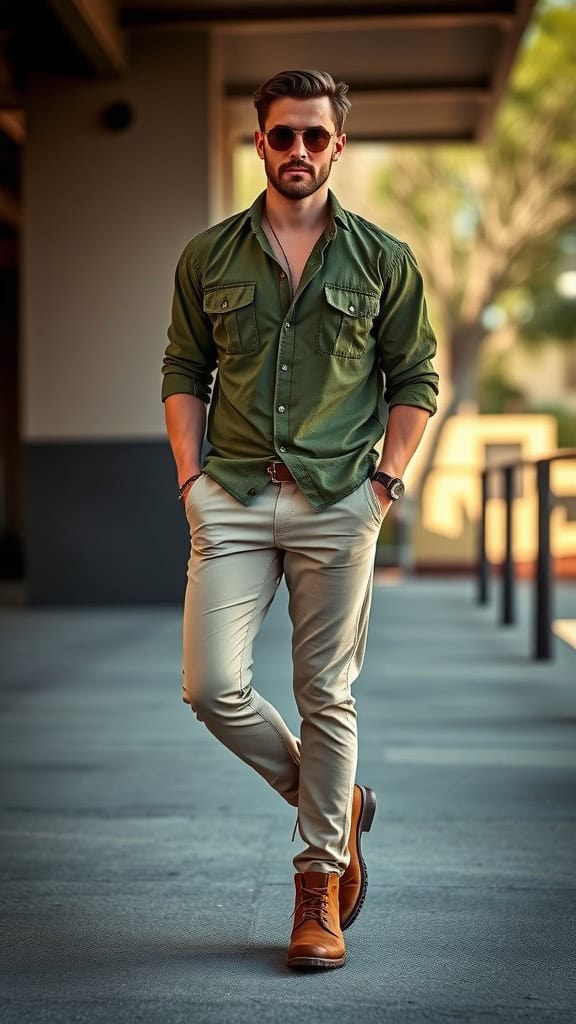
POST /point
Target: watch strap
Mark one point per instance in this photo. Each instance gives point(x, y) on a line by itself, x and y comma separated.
point(393, 484)
point(383, 478)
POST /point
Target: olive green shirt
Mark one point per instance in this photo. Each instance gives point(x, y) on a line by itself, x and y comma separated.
point(299, 377)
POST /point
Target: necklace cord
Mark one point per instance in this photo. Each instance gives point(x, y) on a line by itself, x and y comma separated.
point(282, 250)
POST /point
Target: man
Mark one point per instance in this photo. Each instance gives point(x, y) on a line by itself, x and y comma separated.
point(300, 305)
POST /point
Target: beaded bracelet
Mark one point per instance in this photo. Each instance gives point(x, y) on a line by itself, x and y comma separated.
point(190, 480)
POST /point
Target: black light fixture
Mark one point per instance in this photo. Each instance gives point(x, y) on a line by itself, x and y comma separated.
point(118, 116)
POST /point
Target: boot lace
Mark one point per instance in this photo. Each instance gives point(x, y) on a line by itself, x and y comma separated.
point(313, 905)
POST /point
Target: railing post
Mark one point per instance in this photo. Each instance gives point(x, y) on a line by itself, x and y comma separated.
point(543, 575)
point(508, 616)
point(483, 563)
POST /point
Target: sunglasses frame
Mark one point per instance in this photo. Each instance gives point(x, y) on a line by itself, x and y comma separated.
point(302, 132)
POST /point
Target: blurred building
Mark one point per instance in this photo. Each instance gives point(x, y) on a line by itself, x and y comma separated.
point(445, 536)
point(117, 130)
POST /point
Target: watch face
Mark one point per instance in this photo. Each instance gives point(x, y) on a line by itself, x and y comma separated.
point(396, 489)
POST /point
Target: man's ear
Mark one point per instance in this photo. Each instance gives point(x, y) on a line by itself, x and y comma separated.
point(259, 143)
point(339, 146)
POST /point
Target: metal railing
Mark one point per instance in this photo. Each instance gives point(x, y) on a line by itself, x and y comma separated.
point(542, 622)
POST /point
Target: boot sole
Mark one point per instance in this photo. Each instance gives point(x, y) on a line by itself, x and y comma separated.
point(364, 825)
point(315, 962)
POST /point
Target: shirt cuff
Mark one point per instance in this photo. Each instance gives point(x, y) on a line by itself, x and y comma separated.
point(423, 397)
point(180, 384)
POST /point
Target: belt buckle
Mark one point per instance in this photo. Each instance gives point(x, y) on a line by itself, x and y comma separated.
point(271, 470)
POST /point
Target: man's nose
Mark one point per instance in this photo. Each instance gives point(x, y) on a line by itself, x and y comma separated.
point(298, 150)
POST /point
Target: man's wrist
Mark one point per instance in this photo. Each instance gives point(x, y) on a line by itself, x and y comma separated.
point(390, 469)
point(187, 473)
point(392, 485)
point(186, 485)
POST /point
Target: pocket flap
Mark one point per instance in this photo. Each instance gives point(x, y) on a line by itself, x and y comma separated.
point(351, 302)
point(228, 297)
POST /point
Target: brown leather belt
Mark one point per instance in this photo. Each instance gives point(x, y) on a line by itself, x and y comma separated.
point(279, 473)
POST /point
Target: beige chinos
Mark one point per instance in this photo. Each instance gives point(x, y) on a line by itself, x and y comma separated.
point(238, 557)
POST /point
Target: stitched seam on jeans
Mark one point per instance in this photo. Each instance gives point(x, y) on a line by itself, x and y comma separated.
point(354, 648)
point(249, 624)
point(356, 633)
point(348, 818)
point(274, 514)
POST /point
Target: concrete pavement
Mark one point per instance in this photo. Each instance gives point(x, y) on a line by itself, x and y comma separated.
point(146, 873)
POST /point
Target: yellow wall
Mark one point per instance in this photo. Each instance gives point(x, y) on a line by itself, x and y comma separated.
point(447, 531)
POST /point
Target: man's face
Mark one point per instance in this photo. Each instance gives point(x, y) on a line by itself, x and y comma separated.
point(295, 172)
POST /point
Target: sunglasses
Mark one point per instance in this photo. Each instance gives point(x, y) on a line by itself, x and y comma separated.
point(282, 137)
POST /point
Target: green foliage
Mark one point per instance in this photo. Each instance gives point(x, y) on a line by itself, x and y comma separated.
point(487, 222)
point(566, 422)
point(553, 317)
point(497, 395)
point(547, 313)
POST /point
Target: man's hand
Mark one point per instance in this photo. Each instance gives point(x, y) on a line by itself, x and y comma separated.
point(185, 422)
point(382, 494)
point(187, 490)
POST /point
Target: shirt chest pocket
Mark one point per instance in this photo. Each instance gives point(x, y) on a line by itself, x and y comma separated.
point(346, 321)
point(231, 310)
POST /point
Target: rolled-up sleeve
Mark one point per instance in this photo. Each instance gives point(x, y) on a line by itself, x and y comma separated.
point(190, 357)
point(406, 342)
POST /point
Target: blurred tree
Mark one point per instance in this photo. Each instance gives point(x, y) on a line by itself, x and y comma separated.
point(497, 394)
point(485, 222)
point(549, 297)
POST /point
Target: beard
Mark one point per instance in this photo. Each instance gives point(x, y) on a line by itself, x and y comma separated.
point(297, 187)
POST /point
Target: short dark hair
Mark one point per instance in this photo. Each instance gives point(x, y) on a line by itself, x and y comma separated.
point(303, 85)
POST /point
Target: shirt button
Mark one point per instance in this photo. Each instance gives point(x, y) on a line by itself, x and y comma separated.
point(351, 308)
point(282, 448)
point(282, 275)
point(224, 303)
point(252, 492)
point(281, 408)
point(284, 367)
point(287, 326)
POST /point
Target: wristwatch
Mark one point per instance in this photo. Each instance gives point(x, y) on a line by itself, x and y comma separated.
point(393, 485)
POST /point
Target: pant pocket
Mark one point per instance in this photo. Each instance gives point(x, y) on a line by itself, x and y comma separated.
point(373, 503)
point(192, 496)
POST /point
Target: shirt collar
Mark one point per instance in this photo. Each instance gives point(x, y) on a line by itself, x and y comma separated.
point(256, 211)
point(337, 214)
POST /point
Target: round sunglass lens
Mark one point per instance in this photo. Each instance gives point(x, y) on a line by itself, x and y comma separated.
point(281, 138)
point(316, 139)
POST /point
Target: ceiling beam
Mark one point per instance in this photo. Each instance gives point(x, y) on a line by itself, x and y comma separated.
point(370, 23)
point(388, 93)
point(312, 21)
point(94, 29)
point(10, 212)
point(251, 17)
point(12, 124)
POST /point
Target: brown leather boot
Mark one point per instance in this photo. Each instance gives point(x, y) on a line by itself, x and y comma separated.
point(354, 881)
point(317, 939)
